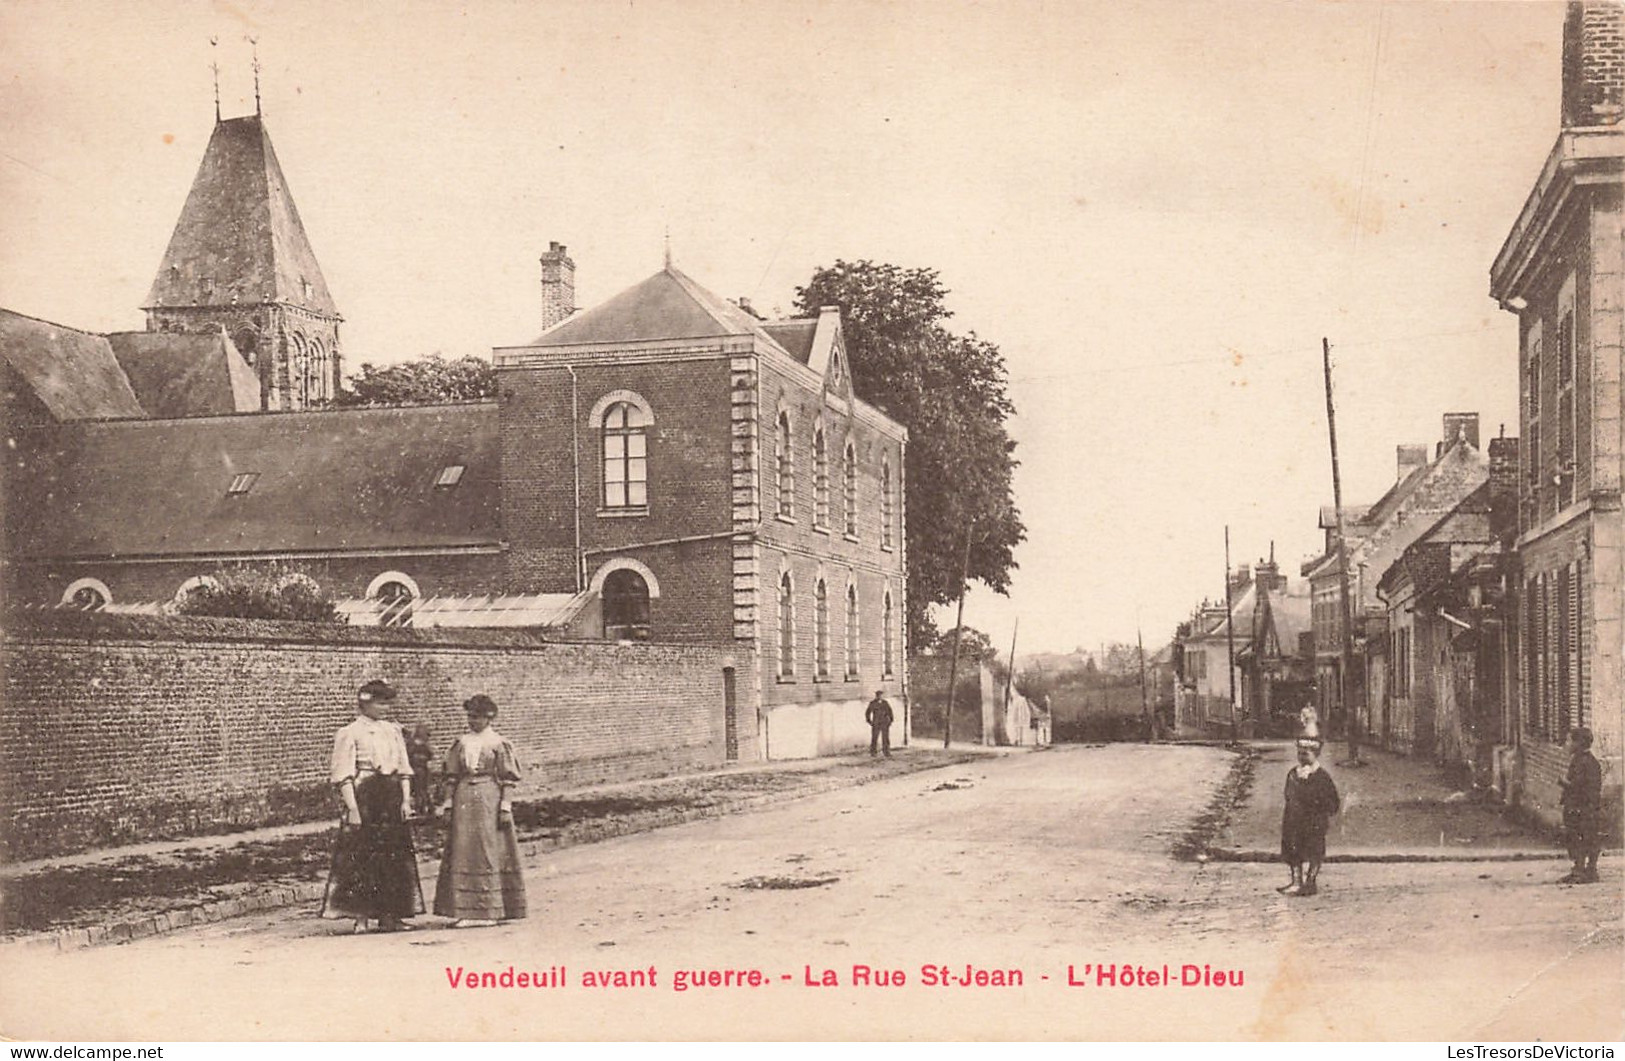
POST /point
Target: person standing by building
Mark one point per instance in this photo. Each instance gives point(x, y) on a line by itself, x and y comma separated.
point(879, 716)
point(480, 878)
point(1311, 800)
point(420, 753)
point(375, 873)
point(1582, 808)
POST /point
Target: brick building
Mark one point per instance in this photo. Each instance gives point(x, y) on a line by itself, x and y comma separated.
point(1424, 491)
point(664, 467)
point(712, 476)
point(1562, 271)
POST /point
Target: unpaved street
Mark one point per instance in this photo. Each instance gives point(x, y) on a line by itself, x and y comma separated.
point(1034, 867)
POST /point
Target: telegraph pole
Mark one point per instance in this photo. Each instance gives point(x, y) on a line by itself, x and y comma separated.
point(1145, 699)
point(959, 627)
point(1230, 633)
point(1351, 719)
point(1010, 675)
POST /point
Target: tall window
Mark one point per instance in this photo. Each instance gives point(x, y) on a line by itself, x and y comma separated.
point(1565, 409)
point(299, 370)
point(626, 460)
point(394, 601)
point(821, 631)
point(787, 627)
point(851, 632)
point(784, 458)
point(1532, 421)
point(885, 504)
point(820, 478)
point(626, 606)
point(849, 490)
point(888, 637)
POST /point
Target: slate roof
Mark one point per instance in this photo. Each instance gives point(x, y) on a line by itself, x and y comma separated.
point(327, 481)
point(177, 375)
point(668, 305)
point(74, 373)
point(239, 239)
point(795, 335)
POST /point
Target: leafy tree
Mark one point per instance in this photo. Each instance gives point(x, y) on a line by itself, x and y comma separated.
point(431, 378)
point(974, 646)
point(271, 591)
point(950, 392)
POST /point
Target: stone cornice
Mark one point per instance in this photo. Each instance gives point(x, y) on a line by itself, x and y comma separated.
point(1580, 157)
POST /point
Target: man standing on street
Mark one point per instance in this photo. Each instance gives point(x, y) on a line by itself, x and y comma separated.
point(1582, 808)
point(879, 717)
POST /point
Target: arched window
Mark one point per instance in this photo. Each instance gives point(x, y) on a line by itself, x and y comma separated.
point(299, 369)
point(626, 606)
point(885, 504)
point(821, 631)
point(820, 478)
point(852, 631)
point(784, 458)
point(247, 341)
point(626, 457)
point(394, 601)
point(316, 374)
point(849, 490)
point(86, 595)
point(787, 626)
point(888, 637)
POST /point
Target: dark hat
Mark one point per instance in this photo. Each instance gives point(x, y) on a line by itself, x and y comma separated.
point(376, 690)
point(482, 705)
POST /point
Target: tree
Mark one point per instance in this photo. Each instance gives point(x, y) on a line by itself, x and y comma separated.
point(950, 392)
point(428, 379)
point(974, 646)
point(271, 591)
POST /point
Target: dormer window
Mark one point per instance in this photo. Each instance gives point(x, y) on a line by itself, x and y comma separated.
point(449, 476)
point(242, 483)
point(304, 285)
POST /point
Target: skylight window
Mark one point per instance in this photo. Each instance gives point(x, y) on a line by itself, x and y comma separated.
point(449, 476)
point(242, 483)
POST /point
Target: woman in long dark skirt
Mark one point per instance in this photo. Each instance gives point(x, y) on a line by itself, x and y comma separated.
point(375, 872)
point(1311, 800)
point(481, 882)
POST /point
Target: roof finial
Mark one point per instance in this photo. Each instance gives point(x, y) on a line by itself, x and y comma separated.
point(214, 64)
point(254, 42)
point(668, 246)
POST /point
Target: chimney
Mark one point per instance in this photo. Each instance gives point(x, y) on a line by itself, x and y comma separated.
point(1503, 485)
point(1410, 459)
point(1460, 425)
point(1593, 64)
point(1241, 577)
point(743, 302)
point(558, 285)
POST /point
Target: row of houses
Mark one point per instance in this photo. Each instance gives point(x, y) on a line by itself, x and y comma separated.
point(667, 466)
point(1484, 587)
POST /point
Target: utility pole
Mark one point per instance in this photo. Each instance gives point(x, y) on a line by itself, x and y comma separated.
point(1230, 632)
point(1010, 675)
point(1351, 718)
point(959, 627)
point(1145, 699)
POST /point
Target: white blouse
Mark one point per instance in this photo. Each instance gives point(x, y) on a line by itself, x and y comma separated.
point(369, 744)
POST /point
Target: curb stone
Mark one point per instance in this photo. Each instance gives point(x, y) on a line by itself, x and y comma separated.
point(277, 896)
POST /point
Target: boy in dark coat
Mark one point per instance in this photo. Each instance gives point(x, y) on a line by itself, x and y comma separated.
point(1311, 800)
point(1582, 809)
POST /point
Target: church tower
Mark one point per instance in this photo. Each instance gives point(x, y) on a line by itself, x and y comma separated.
point(239, 260)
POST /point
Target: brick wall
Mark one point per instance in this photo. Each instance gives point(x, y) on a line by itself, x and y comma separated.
point(688, 463)
point(122, 728)
point(1593, 63)
point(810, 552)
point(340, 577)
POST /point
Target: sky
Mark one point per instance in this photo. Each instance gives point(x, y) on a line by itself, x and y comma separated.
point(1156, 210)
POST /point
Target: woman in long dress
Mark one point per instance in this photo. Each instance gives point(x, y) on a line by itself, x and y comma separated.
point(480, 879)
point(375, 873)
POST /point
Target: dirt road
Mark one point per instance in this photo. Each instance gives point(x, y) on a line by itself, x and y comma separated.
point(1031, 896)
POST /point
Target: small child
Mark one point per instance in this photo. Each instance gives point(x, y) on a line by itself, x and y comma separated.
point(420, 754)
